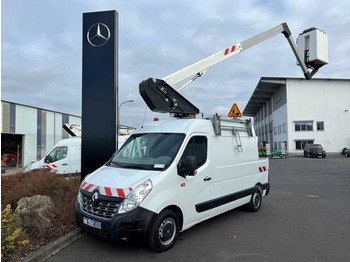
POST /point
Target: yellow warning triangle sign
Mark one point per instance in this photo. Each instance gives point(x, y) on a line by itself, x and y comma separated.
point(235, 111)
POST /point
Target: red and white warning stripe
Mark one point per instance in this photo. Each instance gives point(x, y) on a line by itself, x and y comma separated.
point(50, 166)
point(230, 49)
point(107, 191)
point(262, 169)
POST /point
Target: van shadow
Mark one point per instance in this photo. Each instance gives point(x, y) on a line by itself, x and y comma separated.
point(210, 227)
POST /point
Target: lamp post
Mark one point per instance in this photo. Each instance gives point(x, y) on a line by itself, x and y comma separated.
point(118, 123)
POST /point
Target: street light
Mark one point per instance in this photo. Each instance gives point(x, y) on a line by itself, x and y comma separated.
point(127, 101)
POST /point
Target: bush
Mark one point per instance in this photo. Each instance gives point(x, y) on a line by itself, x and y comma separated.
point(63, 192)
point(12, 234)
point(344, 149)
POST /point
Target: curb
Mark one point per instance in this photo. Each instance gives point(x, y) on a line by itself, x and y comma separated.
point(54, 247)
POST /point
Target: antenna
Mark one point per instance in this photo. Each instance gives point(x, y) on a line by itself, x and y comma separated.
point(144, 116)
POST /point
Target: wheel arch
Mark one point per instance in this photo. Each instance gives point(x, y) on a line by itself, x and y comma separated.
point(178, 212)
point(260, 186)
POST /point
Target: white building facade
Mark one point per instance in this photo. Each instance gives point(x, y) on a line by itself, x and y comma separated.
point(297, 111)
point(27, 132)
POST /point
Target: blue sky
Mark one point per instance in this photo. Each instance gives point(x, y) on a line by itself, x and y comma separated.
point(42, 40)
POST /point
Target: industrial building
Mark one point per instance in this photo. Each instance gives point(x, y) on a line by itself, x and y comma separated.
point(297, 111)
point(27, 132)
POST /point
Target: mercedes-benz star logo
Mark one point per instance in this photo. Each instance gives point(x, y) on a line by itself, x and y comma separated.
point(94, 199)
point(98, 34)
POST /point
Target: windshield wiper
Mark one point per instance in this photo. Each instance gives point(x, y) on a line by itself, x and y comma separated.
point(135, 167)
point(115, 163)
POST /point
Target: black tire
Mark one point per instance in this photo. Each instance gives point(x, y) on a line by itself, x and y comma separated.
point(164, 231)
point(323, 156)
point(255, 200)
point(305, 155)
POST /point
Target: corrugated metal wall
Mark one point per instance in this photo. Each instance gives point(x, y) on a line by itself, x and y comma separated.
point(41, 129)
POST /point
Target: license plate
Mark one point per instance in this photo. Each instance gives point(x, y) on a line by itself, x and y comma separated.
point(92, 223)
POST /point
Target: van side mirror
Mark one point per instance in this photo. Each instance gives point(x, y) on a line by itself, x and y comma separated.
point(188, 166)
point(47, 159)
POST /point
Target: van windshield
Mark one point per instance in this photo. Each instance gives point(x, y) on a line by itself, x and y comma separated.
point(152, 151)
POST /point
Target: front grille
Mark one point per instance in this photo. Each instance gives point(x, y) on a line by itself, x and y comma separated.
point(104, 209)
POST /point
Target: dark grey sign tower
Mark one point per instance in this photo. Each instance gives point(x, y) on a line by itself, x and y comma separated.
point(99, 89)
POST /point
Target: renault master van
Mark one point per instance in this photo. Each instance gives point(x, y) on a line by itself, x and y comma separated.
point(170, 175)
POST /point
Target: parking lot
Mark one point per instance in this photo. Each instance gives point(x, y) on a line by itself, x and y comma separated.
point(306, 217)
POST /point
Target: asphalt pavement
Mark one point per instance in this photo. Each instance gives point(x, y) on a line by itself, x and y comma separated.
point(306, 217)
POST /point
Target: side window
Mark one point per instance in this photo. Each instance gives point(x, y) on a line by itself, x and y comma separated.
point(58, 153)
point(61, 153)
point(197, 146)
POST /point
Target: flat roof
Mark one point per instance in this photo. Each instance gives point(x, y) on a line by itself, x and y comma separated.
point(266, 87)
point(5, 101)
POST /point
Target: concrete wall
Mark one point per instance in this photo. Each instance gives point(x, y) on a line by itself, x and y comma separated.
point(75, 120)
point(26, 124)
point(320, 100)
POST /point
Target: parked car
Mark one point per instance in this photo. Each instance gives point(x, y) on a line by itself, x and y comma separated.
point(314, 150)
point(347, 152)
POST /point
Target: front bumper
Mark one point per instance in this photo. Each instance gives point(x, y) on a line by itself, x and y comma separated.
point(128, 225)
point(318, 153)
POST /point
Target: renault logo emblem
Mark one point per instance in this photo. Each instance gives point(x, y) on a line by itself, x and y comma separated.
point(94, 199)
point(98, 34)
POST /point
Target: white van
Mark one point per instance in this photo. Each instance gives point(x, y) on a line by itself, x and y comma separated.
point(65, 157)
point(171, 175)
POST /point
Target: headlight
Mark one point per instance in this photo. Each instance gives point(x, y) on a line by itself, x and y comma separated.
point(135, 198)
point(79, 198)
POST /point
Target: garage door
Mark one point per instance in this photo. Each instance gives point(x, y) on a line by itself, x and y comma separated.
point(11, 150)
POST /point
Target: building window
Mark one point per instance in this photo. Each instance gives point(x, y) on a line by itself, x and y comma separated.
point(285, 145)
point(279, 129)
point(300, 144)
point(12, 118)
point(303, 126)
point(284, 128)
point(39, 134)
point(275, 130)
point(275, 146)
point(320, 126)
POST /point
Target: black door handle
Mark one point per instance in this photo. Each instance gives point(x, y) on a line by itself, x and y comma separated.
point(64, 164)
point(207, 178)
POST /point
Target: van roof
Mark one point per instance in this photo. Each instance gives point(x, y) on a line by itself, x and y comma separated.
point(177, 125)
point(69, 141)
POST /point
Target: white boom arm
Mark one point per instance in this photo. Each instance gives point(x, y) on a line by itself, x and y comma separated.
point(200, 68)
point(73, 130)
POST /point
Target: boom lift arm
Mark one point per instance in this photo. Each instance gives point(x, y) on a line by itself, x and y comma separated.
point(161, 97)
point(200, 68)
